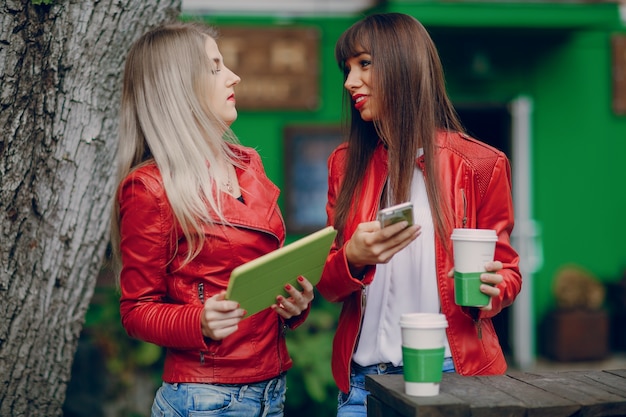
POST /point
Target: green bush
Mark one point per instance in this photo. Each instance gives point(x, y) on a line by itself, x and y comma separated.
point(311, 390)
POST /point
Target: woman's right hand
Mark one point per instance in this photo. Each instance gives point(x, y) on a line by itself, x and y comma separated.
point(220, 317)
point(370, 244)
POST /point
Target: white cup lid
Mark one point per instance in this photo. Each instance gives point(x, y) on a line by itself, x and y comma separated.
point(474, 234)
point(424, 320)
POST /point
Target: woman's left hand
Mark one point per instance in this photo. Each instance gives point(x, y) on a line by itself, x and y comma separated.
point(297, 302)
point(489, 281)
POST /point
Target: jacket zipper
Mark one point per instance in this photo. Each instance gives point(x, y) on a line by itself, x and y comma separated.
point(201, 297)
point(464, 207)
point(478, 323)
point(282, 330)
point(363, 301)
point(363, 287)
point(201, 292)
point(363, 305)
point(383, 193)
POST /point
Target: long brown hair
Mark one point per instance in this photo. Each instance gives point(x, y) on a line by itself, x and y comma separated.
point(413, 105)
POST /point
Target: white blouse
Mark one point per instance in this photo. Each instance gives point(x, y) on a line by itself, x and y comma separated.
point(406, 284)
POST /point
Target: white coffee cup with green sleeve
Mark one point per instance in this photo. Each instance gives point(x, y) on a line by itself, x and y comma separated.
point(423, 339)
point(473, 248)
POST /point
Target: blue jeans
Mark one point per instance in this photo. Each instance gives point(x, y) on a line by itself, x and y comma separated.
point(262, 399)
point(354, 403)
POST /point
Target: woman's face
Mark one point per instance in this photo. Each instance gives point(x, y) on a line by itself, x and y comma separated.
point(359, 85)
point(222, 100)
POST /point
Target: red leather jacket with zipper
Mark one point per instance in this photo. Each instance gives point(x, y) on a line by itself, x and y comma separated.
point(477, 178)
point(162, 300)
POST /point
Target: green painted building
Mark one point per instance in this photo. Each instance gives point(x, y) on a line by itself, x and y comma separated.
point(541, 81)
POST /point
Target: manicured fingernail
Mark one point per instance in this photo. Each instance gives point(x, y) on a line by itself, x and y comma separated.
point(287, 287)
point(300, 279)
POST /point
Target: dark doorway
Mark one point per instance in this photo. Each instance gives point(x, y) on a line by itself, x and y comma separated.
point(491, 123)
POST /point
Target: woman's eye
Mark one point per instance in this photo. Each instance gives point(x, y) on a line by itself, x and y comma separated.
point(366, 63)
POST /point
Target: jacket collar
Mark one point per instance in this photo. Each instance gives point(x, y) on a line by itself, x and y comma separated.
point(260, 196)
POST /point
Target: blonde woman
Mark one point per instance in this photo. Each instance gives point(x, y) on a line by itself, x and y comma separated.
point(192, 204)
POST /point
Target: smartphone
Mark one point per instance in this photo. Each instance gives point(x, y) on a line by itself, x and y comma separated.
point(395, 214)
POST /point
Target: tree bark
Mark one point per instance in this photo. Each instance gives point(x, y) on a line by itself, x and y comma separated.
point(60, 75)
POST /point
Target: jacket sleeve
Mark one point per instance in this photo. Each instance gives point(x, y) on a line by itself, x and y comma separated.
point(495, 211)
point(296, 321)
point(337, 283)
point(146, 235)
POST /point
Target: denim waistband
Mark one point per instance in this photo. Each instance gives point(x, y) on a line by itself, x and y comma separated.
point(379, 368)
point(389, 368)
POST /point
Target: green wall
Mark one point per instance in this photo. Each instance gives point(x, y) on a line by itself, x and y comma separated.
point(562, 61)
point(580, 196)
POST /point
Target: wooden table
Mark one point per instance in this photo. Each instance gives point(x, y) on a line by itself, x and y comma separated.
point(523, 394)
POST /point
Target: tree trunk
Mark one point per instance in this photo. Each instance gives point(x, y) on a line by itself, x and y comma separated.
point(60, 76)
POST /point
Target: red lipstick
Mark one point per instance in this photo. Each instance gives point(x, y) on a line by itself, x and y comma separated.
point(359, 100)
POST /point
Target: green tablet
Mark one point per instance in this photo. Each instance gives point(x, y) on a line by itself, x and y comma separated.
point(255, 284)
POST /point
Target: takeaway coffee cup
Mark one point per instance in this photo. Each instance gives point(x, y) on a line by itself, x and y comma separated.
point(472, 249)
point(423, 337)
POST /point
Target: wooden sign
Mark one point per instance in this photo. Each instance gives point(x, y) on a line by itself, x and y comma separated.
point(619, 74)
point(279, 67)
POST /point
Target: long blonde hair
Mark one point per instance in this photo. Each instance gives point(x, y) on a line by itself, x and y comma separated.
point(165, 117)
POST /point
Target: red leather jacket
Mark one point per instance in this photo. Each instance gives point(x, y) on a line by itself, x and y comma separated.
point(161, 301)
point(478, 182)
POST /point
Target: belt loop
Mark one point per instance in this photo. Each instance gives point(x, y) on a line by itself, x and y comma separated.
point(242, 392)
